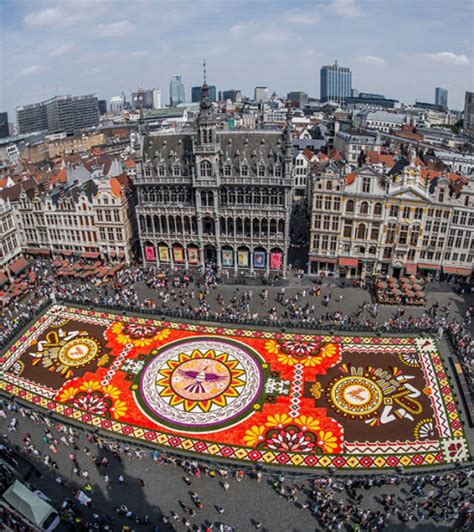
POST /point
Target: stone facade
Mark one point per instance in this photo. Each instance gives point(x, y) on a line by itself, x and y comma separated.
point(215, 197)
point(369, 222)
point(10, 247)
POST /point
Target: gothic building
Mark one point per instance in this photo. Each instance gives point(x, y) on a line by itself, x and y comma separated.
point(218, 197)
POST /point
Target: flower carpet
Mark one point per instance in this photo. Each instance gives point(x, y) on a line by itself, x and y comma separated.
point(252, 395)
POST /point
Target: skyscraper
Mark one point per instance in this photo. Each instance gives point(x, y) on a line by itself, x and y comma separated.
point(469, 113)
point(441, 97)
point(156, 99)
point(196, 93)
point(4, 130)
point(102, 107)
point(61, 113)
point(336, 83)
point(234, 95)
point(261, 94)
point(176, 91)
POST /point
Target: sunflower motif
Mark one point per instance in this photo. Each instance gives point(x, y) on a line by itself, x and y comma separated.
point(278, 420)
point(200, 380)
point(91, 397)
point(309, 354)
point(138, 334)
point(316, 390)
point(254, 435)
point(327, 442)
point(308, 423)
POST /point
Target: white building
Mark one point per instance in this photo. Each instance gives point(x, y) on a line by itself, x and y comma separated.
point(457, 162)
point(261, 94)
point(351, 142)
point(379, 120)
point(156, 99)
point(10, 245)
point(116, 104)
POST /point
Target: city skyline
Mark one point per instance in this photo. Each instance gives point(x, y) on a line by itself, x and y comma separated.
point(106, 47)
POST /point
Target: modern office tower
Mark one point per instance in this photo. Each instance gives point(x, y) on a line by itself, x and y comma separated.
point(31, 118)
point(469, 112)
point(61, 113)
point(234, 95)
point(142, 99)
point(298, 97)
point(156, 98)
point(441, 97)
point(196, 93)
point(177, 94)
point(261, 94)
point(336, 83)
point(116, 104)
point(4, 129)
point(102, 107)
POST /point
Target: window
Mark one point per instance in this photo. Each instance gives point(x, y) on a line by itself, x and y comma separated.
point(206, 169)
point(261, 171)
point(374, 233)
point(348, 230)
point(394, 211)
point(244, 170)
point(418, 213)
point(328, 185)
point(161, 171)
point(361, 232)
point(364, 208)
point(227, 170)
point(277, 171)
point(402, 239)
point(415, 233)
point(390, 238)
point(147, 171)
point(366, 184)
point(176, 170)
point(378, 209)
point(350, 206)
point(319, 202)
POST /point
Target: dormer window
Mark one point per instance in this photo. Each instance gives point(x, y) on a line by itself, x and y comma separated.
point(205, 169)
point(244, 170)
point(261, 171)
point(147, 171)
point(277, 171)
point(176, 170)
point(227, 170)
point(161, 171)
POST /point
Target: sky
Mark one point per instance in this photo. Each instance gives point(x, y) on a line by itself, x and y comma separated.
point(400, 48)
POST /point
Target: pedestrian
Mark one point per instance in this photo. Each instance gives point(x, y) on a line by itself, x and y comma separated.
point(121, 479)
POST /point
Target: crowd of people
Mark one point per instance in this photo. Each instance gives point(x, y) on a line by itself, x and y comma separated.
point(83, 464)
point(335, 502)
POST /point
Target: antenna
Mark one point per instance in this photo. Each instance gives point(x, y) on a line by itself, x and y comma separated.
point(204, 71)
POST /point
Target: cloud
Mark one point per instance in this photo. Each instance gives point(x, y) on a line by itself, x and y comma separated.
point(371, 60)
point(271, 36)
point(449, 58)
point(345, 8)
point(137, 54)
point(242, 29)
point(298, 16)
point(30, 71)
point(46, 17)
point(62, 50)
point(114, 29)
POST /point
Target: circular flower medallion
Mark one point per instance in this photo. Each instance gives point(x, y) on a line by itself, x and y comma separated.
point(356, 396)
point(78, 352)
point(201, 382)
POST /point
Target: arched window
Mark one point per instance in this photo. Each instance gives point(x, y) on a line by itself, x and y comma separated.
point(378, 209)
point(247, 226)
point(256, 227)
point(361, 232)
point(364, 208)
point(149, 226)
point(156, 223)
point(171, 224)
point(273, 227)
point(238, 226)
point(281, 226)
point(222, 225)
point(164, 225)
point(205, 169)
point(328, 185)
point(142, 223)
point(230, 226)
point(264, 227)
point(350, 206)
point(240, 196)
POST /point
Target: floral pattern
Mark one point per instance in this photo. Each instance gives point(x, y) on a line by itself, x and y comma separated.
point(140, 335)
point(309, 354)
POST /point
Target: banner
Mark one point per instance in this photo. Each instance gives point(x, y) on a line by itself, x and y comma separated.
point(276, 260)
point(178, 254)
point(164, 253)
point(150, 253)
point(243, 259)
point(259, 259)
point(193, 256)
point(227, 257)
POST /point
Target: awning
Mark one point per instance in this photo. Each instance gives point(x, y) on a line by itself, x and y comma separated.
point(457, 271)
point(27, 503)
point(38, 251)
point(450, 269)
point(3, 279)
point(347, 261)
point(19, 265)
point(410, 267)
point(324, 260)
point(429, 266)
point(90, 255)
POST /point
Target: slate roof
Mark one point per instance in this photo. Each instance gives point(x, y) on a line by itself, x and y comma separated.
point(252, 147)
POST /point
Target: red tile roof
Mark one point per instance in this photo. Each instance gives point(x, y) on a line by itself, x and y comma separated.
point(350, 178)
